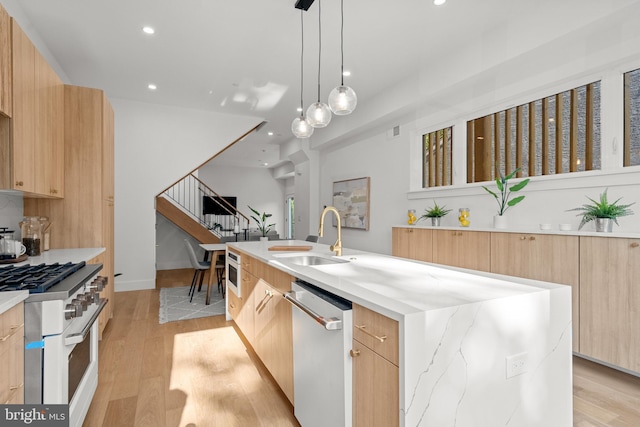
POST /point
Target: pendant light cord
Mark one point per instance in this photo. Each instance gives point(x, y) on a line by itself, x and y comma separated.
point(319, 45)
point(301, 63)
point(342, 42)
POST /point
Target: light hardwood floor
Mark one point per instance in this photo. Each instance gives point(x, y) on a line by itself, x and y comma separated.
point(198, 373)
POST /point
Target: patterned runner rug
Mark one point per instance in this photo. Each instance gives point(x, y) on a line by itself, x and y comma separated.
point(175, 305)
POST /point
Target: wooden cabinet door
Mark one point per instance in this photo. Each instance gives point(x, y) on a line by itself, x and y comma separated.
point(24, 112)
point(464, 249)
point(551, 258)
point(246, 318)
point(107, 151)
point(5, 63)
point(375, 389)
point(412, 243)
point(610, 300)
point(49, 130)
point(273, 335)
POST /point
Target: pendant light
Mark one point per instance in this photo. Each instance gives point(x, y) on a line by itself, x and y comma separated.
point(300, 126)
point(318, 113)
point(342, 99)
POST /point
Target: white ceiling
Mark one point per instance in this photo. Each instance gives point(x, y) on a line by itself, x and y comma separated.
point(243, 57)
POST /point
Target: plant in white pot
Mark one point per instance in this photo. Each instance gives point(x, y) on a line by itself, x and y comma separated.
point(261, 220)
point(503, 196)
point(603, 213)
point(435, 213)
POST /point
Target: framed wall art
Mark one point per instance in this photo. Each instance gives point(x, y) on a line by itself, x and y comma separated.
point(351, 198)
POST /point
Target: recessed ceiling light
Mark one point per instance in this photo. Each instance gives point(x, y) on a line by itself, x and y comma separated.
point(299, 109)
point(148, 30)
point(265, 164)
point(346, 73)
point(439, 2)
point(270, 133)
point(151, 86)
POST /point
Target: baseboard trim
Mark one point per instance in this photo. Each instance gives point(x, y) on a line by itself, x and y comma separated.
point(134, 285)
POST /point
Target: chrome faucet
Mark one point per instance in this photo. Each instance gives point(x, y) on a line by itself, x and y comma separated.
point(337, 246)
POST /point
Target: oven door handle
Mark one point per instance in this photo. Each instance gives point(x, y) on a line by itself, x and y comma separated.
point(80, 336)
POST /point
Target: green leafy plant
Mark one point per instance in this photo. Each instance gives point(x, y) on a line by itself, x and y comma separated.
point(602, 209)
point(261, 220)
point(504, 191)
point(435, 211)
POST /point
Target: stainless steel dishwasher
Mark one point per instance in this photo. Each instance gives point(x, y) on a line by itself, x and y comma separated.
point(322, 336)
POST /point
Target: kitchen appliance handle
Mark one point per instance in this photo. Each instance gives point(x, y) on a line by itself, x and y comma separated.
point(80, 336)
point(331, 324)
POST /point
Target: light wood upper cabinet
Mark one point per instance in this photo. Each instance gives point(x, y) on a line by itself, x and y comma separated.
point(546, 257)
point(22, 141)
point(5, 64)
point(32, 151)
point(464, 249)
point(610, 300)
point(412, 243)
point(49, 133)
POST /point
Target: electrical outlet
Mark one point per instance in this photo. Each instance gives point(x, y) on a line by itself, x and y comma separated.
point(517, 364)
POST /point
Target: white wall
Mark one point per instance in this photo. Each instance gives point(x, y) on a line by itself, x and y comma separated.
point(154, 147)
point(384, 159)
point(251, 186)
point(475, 81)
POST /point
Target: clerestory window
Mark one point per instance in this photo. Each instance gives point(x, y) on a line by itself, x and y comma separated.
point(436, 150)
point(553, 135)
point(632, 118)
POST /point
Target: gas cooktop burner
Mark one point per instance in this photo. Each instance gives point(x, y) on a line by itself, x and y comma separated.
point(35, 278)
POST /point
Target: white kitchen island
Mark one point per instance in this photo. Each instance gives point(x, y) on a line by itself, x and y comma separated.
point(476, 349)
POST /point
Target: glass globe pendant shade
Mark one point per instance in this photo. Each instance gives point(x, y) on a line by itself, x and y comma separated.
point(318, 114)
point(342, 100)
point(301, 128)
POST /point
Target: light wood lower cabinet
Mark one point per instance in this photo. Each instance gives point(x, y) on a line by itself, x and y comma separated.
point(610, 300)
point(12, 355)
point(245, 318)
point(464, 249)
point(376, 399)
point(546, 257)
point(412, 243)
point(264, 317)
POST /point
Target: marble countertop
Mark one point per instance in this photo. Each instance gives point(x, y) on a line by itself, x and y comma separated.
point(10, 299)
point(393, 286)
point(61, 256)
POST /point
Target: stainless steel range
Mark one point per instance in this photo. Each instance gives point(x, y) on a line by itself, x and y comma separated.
point(61, 332)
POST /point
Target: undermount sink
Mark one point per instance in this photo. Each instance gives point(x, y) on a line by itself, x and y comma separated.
point(311, 260)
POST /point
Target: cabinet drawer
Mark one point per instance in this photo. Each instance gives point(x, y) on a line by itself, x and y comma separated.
point(377, 332)
point(11, 323)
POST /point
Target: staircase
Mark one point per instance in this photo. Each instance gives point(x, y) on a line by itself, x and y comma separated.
point(201, 212)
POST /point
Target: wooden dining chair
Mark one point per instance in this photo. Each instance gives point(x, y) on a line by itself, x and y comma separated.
point(199, 266)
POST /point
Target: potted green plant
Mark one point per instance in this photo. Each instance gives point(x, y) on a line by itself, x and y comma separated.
point(603, 213)
point(261, 220)
point(435, 213)
point(503, 196)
